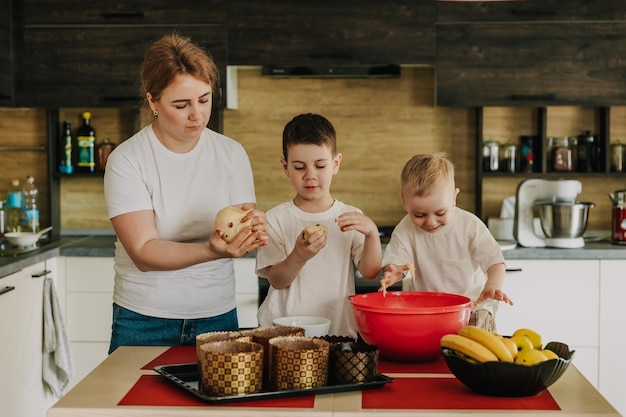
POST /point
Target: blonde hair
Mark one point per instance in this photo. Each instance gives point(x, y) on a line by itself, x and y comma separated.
point(425, 172)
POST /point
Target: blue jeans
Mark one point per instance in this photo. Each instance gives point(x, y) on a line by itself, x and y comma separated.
point(134, 329)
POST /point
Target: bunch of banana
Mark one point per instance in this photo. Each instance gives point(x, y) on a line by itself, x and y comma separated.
point(478, 344)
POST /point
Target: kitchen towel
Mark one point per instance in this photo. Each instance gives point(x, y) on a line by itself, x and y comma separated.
point(57, 362)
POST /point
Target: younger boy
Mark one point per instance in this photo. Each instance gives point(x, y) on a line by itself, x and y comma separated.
point(452, 249)
point(314, 275)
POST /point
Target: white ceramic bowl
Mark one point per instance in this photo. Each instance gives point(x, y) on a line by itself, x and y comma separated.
point(22, 239)
point(313, 326)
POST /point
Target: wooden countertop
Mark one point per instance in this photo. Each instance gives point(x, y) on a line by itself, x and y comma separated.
point(100, 393)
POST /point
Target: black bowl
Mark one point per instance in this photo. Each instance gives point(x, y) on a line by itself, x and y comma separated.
point(506, 379)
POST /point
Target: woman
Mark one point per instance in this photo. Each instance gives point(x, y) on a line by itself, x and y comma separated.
point(174, 275)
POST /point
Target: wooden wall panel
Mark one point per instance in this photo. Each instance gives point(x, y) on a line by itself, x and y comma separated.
point(380, 124)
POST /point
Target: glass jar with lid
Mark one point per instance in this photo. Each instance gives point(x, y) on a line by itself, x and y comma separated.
point(491, 156)
point(618, 151)
point(562, 154)
point(509, 158)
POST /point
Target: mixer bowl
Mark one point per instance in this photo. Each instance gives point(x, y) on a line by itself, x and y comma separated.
point(563, 219)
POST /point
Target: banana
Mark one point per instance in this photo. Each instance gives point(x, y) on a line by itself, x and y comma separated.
point(468, 347)
point(489, 340)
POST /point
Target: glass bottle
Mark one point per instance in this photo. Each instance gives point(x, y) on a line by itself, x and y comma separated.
point(86, 141)
point(65, 165)
point(586, 153)
point(30, 218)
point(15, 205)
point(3, 218)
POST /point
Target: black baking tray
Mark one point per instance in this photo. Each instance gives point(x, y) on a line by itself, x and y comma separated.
point(186, 376)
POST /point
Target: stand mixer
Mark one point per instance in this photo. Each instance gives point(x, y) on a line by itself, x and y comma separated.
point(534, 190)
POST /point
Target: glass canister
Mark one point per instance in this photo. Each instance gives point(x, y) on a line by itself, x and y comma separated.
point(491, 156)
point(617, 157)
point(562, 154)
point(508, 158)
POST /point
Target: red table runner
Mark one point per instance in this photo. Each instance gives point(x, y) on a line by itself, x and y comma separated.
point(154, 390)
point(447, 393)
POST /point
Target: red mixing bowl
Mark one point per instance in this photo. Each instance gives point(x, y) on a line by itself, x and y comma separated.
point(407, 326)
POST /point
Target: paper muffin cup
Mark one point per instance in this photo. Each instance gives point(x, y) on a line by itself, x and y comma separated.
point(351, 362)
point(263, 335)
point(298, 362)
point(231, 367)
point(218, 336)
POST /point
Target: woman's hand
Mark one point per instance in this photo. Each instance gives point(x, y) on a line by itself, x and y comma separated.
point(249, 239)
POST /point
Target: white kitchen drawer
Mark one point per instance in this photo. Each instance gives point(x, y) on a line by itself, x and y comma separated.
point(85, 357)
point(89, 317)
point(247, 306)
point(89, 274)
point(245, 276)
point(560, 299)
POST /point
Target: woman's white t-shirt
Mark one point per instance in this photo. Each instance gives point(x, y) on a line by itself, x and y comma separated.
point(185, 191)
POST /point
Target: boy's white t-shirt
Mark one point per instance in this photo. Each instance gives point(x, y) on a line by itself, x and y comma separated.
point(454, 259)
point(325, 281)
point(185, 191)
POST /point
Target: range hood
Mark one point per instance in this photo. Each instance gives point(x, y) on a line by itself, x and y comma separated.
point(333, 71)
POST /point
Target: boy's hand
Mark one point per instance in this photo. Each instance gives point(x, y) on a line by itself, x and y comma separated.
point(391, 275)
point(491, 291)
point(307, 248)
point(354, 220)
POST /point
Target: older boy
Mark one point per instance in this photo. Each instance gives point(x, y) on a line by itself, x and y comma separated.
point(314, 275)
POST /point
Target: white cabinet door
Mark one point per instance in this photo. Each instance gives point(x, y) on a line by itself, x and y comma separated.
point(560, 300)
point(89, 286)
point(613, 332)
point(21, 327)
point(247, 292)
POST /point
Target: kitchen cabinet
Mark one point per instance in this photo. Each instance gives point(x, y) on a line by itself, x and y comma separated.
point(309, 33)
point(72, 56)
point(247, 292)
point(532, 54)
point(21, 339)
point(89, 297)
point(6, 53)
point(560, 299)
point(612, 367)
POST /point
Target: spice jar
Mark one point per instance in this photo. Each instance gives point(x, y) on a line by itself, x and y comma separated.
point(491, 156)
point(508, 158)
point(617, 157)
point(563, 154)
point(104, 150)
